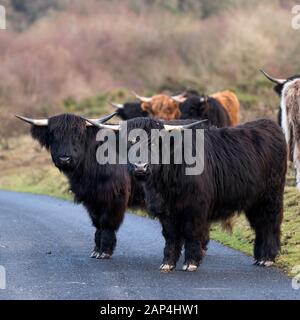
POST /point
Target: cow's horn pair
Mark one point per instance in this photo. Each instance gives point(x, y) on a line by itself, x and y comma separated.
point(179, 98)
point(44, 122)
point(277, 81)
point(116, 127)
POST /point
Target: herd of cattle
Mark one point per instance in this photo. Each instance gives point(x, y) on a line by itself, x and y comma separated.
point(244, 170)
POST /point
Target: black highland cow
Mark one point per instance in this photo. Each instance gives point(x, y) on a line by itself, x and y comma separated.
point(244, 170)
point(205, 107)
point(105, 190)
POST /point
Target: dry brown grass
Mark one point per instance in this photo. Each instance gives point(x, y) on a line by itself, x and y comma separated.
point(93, 47)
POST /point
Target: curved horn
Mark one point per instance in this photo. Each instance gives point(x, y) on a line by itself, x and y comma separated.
point(277, 81)
point(91, 122)
point(35, 122)
point(143, 99)
point(182, 127)
point(179, 98)
point(106, 118)
point(116, 105)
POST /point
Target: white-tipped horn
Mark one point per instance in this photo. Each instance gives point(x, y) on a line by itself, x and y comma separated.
point(92, 122)
point(169, 127)
point(275, 80)
point(35, 122)
point(179, 98)
point(116, 105)
point(143, 99)
point(101, 120)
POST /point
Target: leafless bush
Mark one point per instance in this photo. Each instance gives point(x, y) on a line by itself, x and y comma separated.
point(96, 46)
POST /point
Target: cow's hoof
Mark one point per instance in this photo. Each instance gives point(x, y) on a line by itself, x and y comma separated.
point(103, 255)
point(94, 254)
point(189, 267)
point(165, 267)
point(263, 263)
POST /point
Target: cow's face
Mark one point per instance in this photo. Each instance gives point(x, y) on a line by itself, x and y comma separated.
point(162, 107)
point(141, 169)
point(145, 168)
point(65, 138)
point(131, 110)
point(193, 107)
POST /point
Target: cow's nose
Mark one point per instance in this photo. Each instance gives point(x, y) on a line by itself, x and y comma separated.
point(141, 167)
point(65, 159)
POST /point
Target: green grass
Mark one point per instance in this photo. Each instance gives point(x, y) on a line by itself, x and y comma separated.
point(46, 181)
point(242, 236)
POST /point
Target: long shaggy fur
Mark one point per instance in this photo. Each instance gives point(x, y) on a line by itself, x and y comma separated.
point(105, 190)
point(131, 110)
point(290, 120)
point(205, 107)
point(245, 169)
point(162, 107)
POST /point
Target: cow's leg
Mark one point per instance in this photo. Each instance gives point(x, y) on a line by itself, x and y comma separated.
point(108, 239)
point(108, 242)
point(173, 244)
point(96, 252)
point(297, 168)
point(295, 144)
point(265, 218)
point(196, 235)
point(298, 177)
point(205, 241)
point(110, 221)
point(107, 221)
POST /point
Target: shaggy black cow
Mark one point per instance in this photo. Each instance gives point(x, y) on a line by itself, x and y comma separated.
point(105, 190)
point(205, 107)
point(244, 170)
point(129, 110)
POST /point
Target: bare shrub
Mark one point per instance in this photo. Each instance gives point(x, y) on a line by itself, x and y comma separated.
point(93, 47)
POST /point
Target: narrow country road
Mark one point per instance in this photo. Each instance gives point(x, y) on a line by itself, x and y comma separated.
point(45, 245)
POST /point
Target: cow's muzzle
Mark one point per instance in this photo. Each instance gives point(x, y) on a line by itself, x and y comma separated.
point(140, 169)
point(64, 162)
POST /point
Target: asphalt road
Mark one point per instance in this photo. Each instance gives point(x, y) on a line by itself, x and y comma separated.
point(45, 245)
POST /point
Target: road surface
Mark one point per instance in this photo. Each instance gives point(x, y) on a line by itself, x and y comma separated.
point(45, 245)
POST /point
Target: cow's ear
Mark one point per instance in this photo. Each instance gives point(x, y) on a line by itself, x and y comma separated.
point(41, 134)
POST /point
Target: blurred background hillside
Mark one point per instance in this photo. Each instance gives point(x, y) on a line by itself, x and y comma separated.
point(70, 55)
